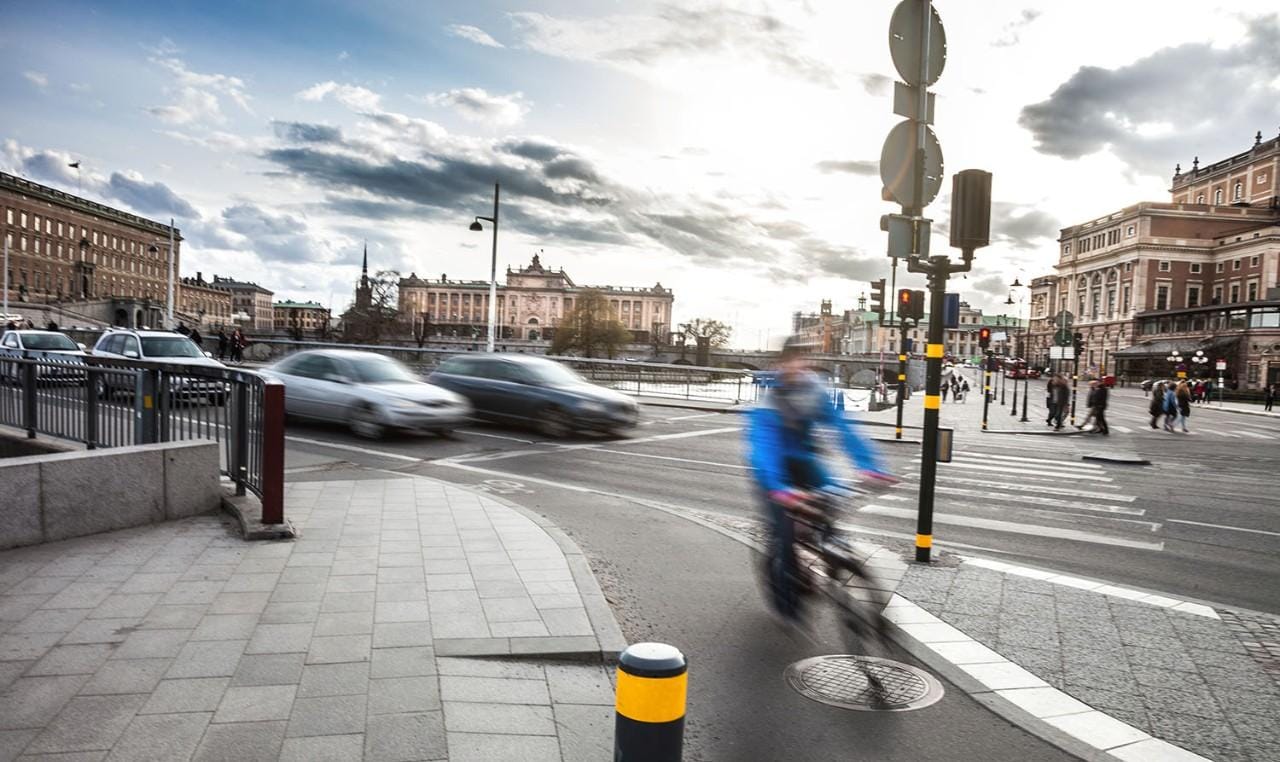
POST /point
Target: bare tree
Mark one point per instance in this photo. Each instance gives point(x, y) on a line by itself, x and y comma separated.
point(372, 322)
point(590, 327)
point(705, 331)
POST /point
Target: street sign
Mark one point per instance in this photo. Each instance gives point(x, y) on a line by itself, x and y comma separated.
point(898, 165)
point(1222, 365)
point(1000, 336)
point(1064, 319)
point(1062, 353)
point(1063, 337)
point(905, 43)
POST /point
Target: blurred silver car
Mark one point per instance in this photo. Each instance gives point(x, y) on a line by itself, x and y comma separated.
point(368, 392)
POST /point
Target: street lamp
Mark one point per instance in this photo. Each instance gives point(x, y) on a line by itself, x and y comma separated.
point(493, 266)
point(1200, 361)
point(1021, 349)
point(1175, 360)
point(154, 250)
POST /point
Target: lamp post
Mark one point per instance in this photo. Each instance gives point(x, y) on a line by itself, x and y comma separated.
point(1115, 355)
point(493, 267)
point(1023, 352)
point(1200, 361)
point(169, 307)
point(1176, 360)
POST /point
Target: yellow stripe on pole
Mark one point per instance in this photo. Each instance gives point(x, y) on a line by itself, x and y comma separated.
point(924, 541)
point(651, 699)
point(902, 376)
point(933, 351)
point(932, 402)
point(146, 401)
point(902, 358)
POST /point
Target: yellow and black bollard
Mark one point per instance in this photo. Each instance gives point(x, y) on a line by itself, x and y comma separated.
point(652, 682)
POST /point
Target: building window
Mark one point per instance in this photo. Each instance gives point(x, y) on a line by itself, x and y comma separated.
point(1217, 196)
point(1195, 268)
point(1066, 247)
point(1164, 266)
point(23, 219)
point(1219, 267)
point(1162, 297)
point(1200, 199)
point(1235, 292)
point(1111, 302)
point(1238, 192)
point(1124, 300)
point(1253, 291)
point(1217, 295)
point(1193, 296)
point(1131, 230)
point(1235, 264)
point(1253, 261)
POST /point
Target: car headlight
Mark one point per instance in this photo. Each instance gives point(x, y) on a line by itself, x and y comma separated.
point(588, 406)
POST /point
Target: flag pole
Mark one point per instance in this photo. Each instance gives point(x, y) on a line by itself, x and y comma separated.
point(170, 326)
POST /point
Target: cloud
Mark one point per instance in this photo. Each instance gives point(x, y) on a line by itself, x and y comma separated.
point(1022, 226)
point(301, 132)
point(477, 105)
point(149, 199)
point(343, 55)
point(196, 97)
point(1012, 33)
point(992, 285)
point(473, 34)
point(875, 84)
point(274, 236)
point(37, 78)
point(1123, 109)
point(853, 167)
point(352, 96)
point(676, 34)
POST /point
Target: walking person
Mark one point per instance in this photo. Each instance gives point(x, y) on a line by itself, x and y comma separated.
point(196, 338)
point(1183, 396)
point(222, 344)
point(1269, 397)
point(1097, 401)
point(1050, 403)
point(1061, 400)
point(964, 391)
point(1170, 406)
point(946, 386)
point(1157, 404)
point(237, 346)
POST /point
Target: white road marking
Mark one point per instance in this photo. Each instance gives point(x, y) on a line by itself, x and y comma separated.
point(1251, 434)
point(1223, 526)
point(1045, 473)
point(680, 435)
point(1033, 500)
point(474, 433)
point(509, 475)
point(1036, 488)
point(1123, 429)
point(673, 458)
point(1048, 466)
point(1014, 528)
point(691, 417)
point(990, 456)
point(354, 448)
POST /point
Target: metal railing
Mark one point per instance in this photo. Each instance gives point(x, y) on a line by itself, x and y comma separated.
point(104, 402)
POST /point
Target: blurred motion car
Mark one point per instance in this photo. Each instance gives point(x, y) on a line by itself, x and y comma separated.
point(158, 346)
point(369, 393)
point(62, 358)
point(526, 390)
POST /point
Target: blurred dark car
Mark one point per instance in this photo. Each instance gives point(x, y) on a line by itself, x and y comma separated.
point(533, 391)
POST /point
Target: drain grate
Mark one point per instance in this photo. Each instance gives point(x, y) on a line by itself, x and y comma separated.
point(845, 681)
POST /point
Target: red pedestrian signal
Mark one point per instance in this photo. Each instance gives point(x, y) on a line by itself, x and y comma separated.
point(984, 337)
point(910, 304)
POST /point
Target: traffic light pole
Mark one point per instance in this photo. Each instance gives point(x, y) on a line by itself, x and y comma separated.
point(1075, 383)
point(902, 379)
point(987, 360)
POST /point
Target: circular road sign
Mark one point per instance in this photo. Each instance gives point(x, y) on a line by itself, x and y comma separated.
point(1064, 319)
point(1064, 337)
point(898, 165)
point(905, 43)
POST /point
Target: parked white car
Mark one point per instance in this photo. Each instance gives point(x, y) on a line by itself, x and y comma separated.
point(159, 346)
point(368, 392)
point(65, 358)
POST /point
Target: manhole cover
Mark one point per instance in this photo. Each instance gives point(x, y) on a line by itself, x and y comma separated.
point(843, 681)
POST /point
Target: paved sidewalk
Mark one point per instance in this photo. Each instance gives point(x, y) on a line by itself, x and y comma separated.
point(182, 641)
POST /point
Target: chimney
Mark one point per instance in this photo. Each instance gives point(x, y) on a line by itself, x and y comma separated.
point(199, 277)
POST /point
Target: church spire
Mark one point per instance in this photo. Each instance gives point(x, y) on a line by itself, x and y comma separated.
point(364, 268)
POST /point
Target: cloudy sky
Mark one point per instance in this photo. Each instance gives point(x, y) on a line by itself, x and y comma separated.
point(727, 149)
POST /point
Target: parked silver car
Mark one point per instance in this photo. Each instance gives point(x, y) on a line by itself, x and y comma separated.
point(368, 392)
point(63, 359)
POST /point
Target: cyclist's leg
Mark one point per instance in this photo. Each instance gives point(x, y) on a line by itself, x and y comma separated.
point(781, 558)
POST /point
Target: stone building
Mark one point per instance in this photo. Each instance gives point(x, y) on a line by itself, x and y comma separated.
point(307, 318)
point(1200, 273)
point(251, 306)
point(530, 304)
point(859, 332)
point(102, 262)
point(207, 305)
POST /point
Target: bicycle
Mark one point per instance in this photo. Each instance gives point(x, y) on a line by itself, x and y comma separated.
point(826, 564)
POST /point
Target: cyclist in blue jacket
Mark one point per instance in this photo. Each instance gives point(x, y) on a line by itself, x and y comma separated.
point(784, 453)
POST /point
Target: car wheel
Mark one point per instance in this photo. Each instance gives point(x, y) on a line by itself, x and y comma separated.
point(365, 424)
point(553, 423)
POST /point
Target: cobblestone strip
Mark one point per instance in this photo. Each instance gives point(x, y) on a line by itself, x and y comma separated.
point(1260, 636)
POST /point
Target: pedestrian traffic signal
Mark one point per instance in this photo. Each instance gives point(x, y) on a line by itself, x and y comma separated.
point(877, 297)
point(911, 304)
point(984, 337)
point(1078, 343)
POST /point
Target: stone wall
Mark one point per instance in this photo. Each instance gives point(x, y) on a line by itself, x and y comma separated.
point(58, 496)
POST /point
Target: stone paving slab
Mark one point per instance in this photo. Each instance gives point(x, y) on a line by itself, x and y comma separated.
point(410, 619)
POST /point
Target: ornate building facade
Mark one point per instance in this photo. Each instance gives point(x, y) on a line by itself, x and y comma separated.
point(207, 304)
point(530, 304)
point(1200, 273)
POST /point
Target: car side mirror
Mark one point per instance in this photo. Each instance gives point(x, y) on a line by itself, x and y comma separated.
point(83, 348)
point(131, 354)
point(209, 355)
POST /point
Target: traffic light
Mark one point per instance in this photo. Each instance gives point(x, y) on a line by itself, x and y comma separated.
point(970, 209)
point(877, 297)
point(910, 304)
point(1078, 342)
point(984, 337)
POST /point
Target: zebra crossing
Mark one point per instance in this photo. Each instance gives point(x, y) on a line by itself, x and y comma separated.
point(1025, 495)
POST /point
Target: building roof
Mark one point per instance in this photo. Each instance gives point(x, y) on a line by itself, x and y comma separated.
point(238, 285)
point(62, 198)
point(288, 305)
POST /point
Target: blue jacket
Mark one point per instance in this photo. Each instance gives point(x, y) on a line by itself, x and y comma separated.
point(770, 446)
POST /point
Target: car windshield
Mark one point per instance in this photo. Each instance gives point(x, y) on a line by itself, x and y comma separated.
point(169, 346)
point(381, 370)
point(48, 341)
point(554, 374)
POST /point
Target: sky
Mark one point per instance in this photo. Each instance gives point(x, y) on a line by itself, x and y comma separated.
point(727, 149)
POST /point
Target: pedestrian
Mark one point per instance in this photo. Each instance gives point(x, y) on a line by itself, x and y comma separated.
point(946, 386)
point(9, 326)
point(196, 338)
point(1097, 403)
point(1183, 396)
point(1157, 404)
point(1197, 392)
point(964, 391)
point(237, 346)
point(1050, 403)
point(222, 344)
point(1170, 406)
point(183, 329)
point(1269, 397)
point(1061, 400)
point(52, 326)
